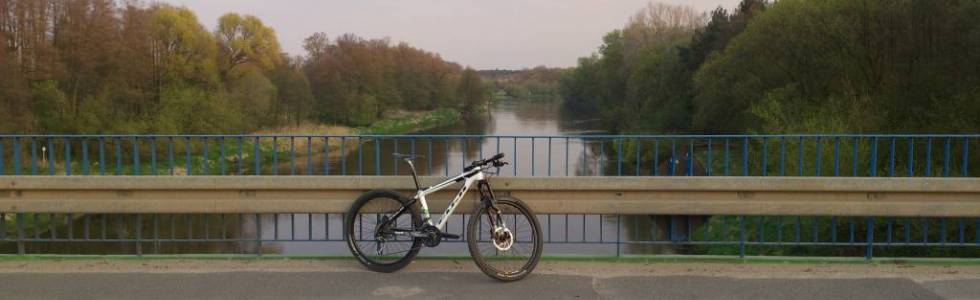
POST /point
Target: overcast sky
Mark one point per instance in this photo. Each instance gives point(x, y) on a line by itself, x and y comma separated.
point(484, 34)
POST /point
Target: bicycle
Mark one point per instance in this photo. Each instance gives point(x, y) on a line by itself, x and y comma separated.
point(386, 229)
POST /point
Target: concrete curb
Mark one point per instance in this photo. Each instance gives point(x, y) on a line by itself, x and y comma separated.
point(571, 258)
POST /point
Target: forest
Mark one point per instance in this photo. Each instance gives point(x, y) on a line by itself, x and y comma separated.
point(104, 66)
point(789, 66)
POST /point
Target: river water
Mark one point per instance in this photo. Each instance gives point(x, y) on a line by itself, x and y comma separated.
point(532, 141)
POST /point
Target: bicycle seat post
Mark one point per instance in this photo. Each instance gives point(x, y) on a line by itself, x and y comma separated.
point(415, 177)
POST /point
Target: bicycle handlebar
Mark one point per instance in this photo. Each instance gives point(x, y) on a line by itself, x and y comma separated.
point(495, 160)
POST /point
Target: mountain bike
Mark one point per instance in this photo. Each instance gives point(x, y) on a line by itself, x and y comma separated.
point(386, 229)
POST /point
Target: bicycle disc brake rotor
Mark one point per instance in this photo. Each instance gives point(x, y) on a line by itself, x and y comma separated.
point(502, 239)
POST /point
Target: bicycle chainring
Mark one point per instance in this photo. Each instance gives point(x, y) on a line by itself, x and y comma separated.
point(431, 236)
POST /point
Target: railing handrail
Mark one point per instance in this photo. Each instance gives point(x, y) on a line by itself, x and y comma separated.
point(772, 196)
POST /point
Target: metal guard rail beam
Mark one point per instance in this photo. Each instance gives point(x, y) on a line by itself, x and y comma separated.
point(809, 196)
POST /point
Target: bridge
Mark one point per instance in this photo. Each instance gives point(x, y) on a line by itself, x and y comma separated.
point(865, 197)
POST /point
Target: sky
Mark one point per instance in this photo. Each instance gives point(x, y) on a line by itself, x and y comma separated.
point(483, 34)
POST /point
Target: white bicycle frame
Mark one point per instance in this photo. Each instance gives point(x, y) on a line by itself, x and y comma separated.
point(468, 177)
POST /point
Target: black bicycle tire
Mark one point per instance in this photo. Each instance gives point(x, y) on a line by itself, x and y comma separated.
point(350, 226)
point(472, 237)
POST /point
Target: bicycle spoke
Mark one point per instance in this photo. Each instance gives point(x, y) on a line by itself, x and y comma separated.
point(520, 252)
point(382, 245)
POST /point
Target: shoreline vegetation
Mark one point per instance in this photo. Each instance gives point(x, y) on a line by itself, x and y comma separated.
point(403, 122)
point(269, 150)
point(788, 66)
point(536, 84)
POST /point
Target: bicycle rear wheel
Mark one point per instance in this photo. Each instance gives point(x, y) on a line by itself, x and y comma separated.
point(508, 252)
point(376, 246)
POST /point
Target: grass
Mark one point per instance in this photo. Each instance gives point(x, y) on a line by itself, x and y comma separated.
point(412, 122)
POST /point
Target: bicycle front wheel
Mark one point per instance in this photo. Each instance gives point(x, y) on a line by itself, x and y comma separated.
point(510, 250)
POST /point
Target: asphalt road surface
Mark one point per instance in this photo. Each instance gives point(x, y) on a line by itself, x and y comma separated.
point(442, 279)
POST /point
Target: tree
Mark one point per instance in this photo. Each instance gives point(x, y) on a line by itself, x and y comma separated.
point(637, 81)
point(845, 66)
point(471, 92)
point(87, 40)
point(316, 47)
point(183, 51)
point(356, 81)
point(105, 66)
point(50, 107)
point(294, 95)
point(256, 95)
point(190, 110)
point(245, 40)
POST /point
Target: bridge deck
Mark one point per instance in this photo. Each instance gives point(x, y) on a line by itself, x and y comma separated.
point(427, 279)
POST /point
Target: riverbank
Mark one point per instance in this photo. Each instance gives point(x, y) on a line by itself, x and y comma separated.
point(409, 122)
point(401, 122)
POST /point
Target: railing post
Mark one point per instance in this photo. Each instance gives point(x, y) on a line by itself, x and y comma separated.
point(870, 239)
point(741, 239)
point(51, 157)
point(377, 156)
point(619, 159)
point(136, 156)
point(618, 235)
point(2, 166)
point(533, 161)
point(745, 156)
point(20, 234)
point(258, 235)
point(153, 156)
point(139, 234)
point(15, 147)
point(256, 158)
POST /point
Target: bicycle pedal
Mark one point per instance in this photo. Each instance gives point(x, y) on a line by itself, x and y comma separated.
point(450, 236)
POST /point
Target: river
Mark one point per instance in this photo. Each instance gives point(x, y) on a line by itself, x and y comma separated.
point(516, 120)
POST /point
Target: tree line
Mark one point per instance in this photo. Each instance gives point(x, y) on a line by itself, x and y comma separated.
point(790, 66)
point(101, 66)
point(538, 83)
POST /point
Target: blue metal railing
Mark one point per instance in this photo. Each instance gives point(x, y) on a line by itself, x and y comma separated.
point(680, 155)
point(648, 155)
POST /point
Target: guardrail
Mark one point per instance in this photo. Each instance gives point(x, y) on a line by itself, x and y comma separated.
point(734, 215)
point(786, 196)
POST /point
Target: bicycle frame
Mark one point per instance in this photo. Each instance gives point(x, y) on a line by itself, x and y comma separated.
point(469, 177)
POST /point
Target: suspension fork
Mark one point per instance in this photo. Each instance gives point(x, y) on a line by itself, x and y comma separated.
point(490, 202)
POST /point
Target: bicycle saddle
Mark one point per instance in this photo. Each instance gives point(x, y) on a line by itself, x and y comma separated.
point(407, 156)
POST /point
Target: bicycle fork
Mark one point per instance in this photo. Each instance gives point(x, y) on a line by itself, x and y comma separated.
point(490, 202)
